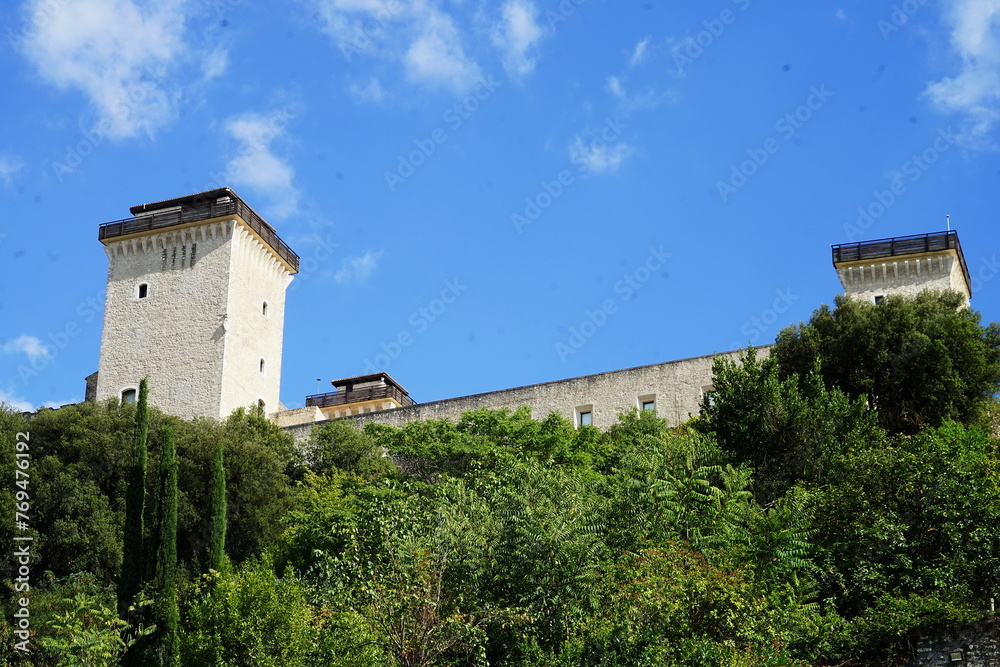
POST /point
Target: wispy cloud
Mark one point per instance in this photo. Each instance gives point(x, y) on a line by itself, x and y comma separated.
point(16, 402)
point(9, 165)
point(974, 91)
point(638, 53)
point(256, 165)
point(124, 56)
point(598, 156)
point(433, 43)
point(516, 35)
point(358, 269)
point(370, 92)
point(29, 345)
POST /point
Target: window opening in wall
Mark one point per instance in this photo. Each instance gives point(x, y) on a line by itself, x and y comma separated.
point(647, 402)
point(261, 365)
point(260, 404)
point(128, 396)
point(649, 405)
point(709, 394)
point(263, 309)
point(879, 298)
point(586, 418)
point(143, 291)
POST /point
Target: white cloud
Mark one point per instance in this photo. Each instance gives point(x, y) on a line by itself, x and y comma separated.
point(359, 268)
point(427, 39)
point(598, 156)
point(437, 57)
point(647, 99)
point(29, 345)
point(256, 166)
point(516, 35)
point(215, 64)
point(370, 92)
point(9, 165)
point(638, 53)
point(19, 404)
point(118, 53)
point(974, 91)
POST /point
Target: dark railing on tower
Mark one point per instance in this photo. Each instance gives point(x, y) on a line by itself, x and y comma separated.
point(900, 246)
point(359, 395)
point(194, 208)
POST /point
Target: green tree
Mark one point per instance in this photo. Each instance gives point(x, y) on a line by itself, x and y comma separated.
point(340, 445)
point(164, 589)
point(217, 520)
point(134, 563)
point(919, 361)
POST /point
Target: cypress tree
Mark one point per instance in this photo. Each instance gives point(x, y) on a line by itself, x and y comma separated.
point(217, 519)
point(167, 616)
point(134, 561)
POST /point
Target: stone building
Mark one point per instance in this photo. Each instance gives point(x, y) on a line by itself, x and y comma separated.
point(196, 299)
point(196, 303)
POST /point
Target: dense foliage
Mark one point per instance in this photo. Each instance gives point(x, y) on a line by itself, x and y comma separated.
point(789, 524)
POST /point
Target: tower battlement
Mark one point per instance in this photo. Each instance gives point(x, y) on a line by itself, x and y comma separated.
point(902, 265)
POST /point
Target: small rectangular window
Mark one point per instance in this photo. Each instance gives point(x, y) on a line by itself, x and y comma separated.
point(647, 402)
point(709, 394)
point(584, 415)
point(143, 291)
point(879, 299)
point(649, 405)
point(586, 418)
point(128, 396)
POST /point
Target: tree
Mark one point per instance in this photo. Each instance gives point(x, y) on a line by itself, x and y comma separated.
point(134, 562)
point(165, 584)
point(217, 520)
point(920, 360)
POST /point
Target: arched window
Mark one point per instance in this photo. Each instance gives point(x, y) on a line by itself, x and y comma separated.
point(129, 396)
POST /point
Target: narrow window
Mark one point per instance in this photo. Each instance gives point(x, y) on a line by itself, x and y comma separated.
point(128, 396)
point(261, 365)
point(143, 291)
point(263, 309)
point(649, 405)
point(260, 404)
point(647, 402)
point(587, 418)
point(709, 395)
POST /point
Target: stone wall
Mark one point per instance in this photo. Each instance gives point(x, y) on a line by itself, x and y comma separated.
point(903, 275)
point(979, 646)
point(676, 387)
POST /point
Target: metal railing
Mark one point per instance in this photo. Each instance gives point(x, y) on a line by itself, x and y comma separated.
point(900, 245)
point(202, 211)
point(358, 396)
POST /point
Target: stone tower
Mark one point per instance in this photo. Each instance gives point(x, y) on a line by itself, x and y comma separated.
point(903, 265)
point(196, 303)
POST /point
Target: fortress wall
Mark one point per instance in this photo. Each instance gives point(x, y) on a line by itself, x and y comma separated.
point(676, 386)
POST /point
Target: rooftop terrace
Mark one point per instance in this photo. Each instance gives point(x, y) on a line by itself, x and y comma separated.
point(901, 246)
point(207, 205)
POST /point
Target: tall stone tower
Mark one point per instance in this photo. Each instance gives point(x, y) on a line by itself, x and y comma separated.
point(196, 303)
point(903, 265)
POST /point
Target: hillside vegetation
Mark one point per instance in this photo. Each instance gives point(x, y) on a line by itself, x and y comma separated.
point(832, 500)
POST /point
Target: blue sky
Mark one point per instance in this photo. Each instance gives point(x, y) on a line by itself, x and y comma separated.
point(486, 195)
